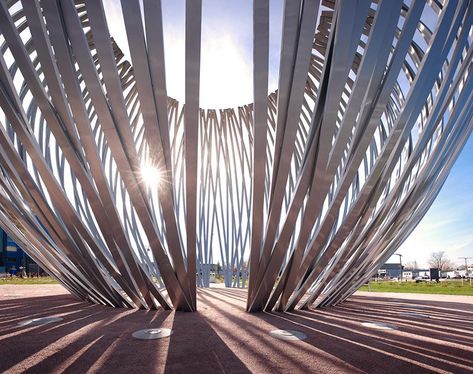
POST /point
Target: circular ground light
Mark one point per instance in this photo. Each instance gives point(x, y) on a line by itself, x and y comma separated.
point(40, 321)
point(288, 335)
point(379, 325)
point(414, 314)
point(148, 334)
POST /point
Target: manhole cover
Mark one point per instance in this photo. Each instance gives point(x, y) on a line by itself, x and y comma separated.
point(414, 314)
point(379, 325)
point(288, 335)
point(148, 334)
point(39, 321)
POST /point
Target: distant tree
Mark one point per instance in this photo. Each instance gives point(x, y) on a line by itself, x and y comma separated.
point(439, 260)
point(412, 265)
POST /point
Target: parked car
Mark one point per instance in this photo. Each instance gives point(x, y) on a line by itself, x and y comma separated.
point(421, 279)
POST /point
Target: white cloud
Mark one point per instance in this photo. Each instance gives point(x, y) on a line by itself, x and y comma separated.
point(226, 75)
point(226, 78)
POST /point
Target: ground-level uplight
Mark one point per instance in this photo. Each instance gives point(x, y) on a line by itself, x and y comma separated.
point(379, 325)
point(40, 321)
point(149, 334)
point(288, 334)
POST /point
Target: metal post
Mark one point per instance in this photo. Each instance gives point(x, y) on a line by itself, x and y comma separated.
point(400, 264)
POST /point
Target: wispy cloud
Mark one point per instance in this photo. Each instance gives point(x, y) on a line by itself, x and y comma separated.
point(448, 226)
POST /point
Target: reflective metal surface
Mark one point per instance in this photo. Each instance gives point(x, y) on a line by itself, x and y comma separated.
point(129, 197)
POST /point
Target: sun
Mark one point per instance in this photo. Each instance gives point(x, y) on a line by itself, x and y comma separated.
point(151, 175)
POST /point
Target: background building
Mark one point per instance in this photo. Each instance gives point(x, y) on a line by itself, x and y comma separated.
point(390, 270)
point(13, 259)
point(393, 270)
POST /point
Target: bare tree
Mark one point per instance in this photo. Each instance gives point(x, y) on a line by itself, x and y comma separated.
point(411, 265)
point(440, 261)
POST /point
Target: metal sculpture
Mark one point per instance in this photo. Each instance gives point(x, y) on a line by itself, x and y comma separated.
point(127, 196)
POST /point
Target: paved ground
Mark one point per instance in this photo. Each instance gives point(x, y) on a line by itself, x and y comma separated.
point(221, 337)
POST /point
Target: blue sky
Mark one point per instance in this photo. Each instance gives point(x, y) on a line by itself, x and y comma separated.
point(448, 225)
point(226, 81)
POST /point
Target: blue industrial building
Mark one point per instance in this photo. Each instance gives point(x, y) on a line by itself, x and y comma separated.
point(13, 259)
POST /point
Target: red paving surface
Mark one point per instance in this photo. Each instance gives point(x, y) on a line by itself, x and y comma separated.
point(221, 337)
